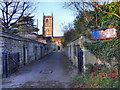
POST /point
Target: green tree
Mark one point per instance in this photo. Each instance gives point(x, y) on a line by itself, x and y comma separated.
point(102, 16)
point(25, 24)
point(69, 33)
point(108, 16)
point(68, 36)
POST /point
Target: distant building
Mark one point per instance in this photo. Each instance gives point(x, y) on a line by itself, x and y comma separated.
point(45, 40)
point(57, 43)
point(32, 36)
point(48, 32)
point(48, 26)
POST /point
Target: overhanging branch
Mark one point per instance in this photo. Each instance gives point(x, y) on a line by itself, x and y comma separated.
point(98, 7)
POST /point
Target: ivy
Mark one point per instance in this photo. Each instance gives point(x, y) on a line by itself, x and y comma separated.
point(105, 50)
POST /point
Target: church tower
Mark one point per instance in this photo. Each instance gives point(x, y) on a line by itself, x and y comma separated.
point(48, 26)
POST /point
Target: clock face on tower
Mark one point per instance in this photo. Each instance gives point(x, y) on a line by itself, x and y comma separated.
point(47, 31)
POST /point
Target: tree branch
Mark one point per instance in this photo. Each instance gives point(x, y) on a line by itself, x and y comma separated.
point(97, 6)
point(14, 11)
point(24, 8)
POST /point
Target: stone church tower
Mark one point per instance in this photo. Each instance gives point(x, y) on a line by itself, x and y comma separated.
point(48, 26)
point(48, 32)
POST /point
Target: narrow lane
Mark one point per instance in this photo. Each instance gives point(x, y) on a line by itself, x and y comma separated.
point(53, 71)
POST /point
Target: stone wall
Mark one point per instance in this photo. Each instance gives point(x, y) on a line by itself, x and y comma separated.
point(28, 49)
point(0, 59)
point(72, 52)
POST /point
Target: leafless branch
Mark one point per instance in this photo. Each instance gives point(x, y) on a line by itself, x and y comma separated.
point(12, 11)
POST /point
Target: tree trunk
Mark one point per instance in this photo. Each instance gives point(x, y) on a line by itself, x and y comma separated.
point(119, 9)
point(96, 17)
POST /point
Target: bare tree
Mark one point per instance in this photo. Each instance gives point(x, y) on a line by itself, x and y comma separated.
point(80, 8)
point(66, 28)
point(12, 11)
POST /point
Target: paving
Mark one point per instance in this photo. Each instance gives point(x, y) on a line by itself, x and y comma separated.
point(52, 71)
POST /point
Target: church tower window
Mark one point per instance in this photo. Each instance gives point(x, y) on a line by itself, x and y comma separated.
point(46, 20)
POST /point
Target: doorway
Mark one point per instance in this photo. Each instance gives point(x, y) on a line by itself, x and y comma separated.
point(35, 52)
point(58, 47)
point(24, 55)
point(80, 60)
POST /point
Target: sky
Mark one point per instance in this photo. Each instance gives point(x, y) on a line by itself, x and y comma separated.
point(61, 16)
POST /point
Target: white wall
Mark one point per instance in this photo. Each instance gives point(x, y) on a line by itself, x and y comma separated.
point(87, 56)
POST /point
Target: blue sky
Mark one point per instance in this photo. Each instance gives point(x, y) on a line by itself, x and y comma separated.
point(60, 16)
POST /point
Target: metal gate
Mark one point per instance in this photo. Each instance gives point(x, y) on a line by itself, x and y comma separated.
point(80, 60)
point(41, 51)
point(10, 63)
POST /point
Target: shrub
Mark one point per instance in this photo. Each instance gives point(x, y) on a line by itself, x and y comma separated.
point(108, 78)
point(105, 50)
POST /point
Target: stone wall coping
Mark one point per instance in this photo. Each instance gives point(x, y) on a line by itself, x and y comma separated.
point(73, 40)
point(16, 37)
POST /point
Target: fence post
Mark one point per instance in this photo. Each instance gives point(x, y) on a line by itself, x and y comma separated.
point(4, 58)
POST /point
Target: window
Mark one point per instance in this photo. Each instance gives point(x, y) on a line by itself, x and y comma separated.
point(46, 20)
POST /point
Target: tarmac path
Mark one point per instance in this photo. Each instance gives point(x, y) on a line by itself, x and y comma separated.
point(53, 71)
